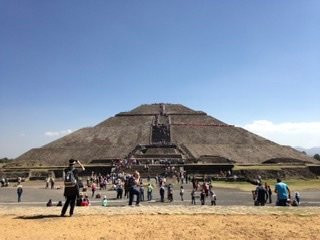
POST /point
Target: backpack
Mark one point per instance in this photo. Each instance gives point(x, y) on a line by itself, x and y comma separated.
point(19, 190)
point(131, 182)
point(69, 179)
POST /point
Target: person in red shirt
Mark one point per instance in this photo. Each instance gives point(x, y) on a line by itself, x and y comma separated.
point(85, 201)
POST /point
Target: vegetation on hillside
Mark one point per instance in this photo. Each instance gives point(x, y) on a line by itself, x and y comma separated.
point(5, 160)
point(316, 156)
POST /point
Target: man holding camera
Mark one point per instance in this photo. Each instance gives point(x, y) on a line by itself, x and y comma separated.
point(71, 186)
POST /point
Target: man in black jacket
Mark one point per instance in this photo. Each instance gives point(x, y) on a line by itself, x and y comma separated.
point(71, 188)
point(261, 194)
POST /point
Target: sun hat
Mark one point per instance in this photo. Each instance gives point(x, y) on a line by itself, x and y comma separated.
point(72, 161)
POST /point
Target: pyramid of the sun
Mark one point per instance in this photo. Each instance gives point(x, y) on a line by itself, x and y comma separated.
point(162, 131)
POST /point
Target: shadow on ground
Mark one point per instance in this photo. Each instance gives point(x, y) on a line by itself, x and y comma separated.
point(33, 217)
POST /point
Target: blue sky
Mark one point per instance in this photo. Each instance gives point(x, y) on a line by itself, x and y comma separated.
point(71, 64)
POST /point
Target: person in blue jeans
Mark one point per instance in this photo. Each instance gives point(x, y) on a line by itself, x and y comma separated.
point(162, 193)
point(283, 193)
point(19, 192)
point(71, 189)
point(134, 188)
point(149, 191)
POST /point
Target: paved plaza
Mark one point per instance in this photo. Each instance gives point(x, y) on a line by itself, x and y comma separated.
point(35, 194)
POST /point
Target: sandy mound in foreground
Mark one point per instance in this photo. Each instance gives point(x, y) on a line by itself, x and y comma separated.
point(161, 222)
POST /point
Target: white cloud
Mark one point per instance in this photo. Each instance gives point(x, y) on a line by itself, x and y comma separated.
point(304, 134)
point(58, 133)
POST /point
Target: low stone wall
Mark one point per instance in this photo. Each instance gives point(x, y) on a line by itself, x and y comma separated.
point(13, 176)
point(284, 173)
point(305, 172)
point(315, 170)
point(207, 168)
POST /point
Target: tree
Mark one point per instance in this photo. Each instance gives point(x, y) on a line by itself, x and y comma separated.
point(316, 156)
point(5, 160)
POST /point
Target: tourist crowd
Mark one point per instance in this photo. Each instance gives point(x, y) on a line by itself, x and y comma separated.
point(132, 187)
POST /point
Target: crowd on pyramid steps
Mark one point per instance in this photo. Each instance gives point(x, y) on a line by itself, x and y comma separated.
point(131, 162)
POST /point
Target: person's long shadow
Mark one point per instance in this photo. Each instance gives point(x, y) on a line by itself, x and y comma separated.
point(38, 217)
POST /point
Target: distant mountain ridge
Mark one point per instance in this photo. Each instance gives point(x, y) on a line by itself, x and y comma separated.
point(309, 151)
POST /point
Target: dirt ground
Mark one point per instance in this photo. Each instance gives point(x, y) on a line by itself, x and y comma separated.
point(161, 222)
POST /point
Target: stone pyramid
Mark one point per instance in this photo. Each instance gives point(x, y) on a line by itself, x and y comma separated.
point(153, 132)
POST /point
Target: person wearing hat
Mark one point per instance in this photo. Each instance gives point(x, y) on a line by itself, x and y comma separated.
point(71, 187)
point(261, 194)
